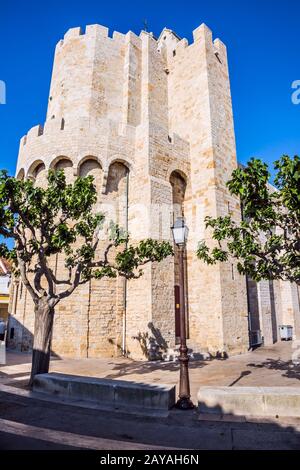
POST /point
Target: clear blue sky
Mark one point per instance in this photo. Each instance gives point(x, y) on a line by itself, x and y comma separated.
point(263, 43)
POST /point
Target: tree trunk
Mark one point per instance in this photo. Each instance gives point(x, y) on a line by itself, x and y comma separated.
point(43, 326)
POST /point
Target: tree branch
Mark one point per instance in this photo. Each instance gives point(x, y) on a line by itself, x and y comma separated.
point(22, 268)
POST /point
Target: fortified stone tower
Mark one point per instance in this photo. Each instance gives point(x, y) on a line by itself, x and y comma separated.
point(151, 120)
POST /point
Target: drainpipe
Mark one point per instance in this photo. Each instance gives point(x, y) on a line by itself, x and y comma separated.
point(249, 312)
point(124, 353)
point(297, 316)
point(15, 289)
point(248, 295)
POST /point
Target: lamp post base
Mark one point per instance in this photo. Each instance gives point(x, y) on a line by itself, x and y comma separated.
point(184, 403)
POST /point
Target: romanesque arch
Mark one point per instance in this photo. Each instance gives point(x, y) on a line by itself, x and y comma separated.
point(116, 192)
point(66, 164)
point(21, 174)
point(123, 160)
point(90, 166)
point(178, 183)
point(37, 172)
point(88, 157)
point(34, 168)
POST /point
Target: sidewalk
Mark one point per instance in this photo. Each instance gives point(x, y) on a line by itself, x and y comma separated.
point(271, 366)
point(38, 422)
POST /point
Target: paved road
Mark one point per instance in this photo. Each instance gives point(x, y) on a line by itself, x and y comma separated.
point(30, 423)
point(14, 442)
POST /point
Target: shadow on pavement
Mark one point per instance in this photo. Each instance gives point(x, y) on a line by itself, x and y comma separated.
point(290, 369)
point(184, 430)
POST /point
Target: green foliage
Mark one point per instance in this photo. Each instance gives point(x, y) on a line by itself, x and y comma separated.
point(147, 250)
point(266, 242)
point(59, 219)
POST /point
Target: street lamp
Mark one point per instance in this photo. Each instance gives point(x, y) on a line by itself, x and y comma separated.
point(180, 233)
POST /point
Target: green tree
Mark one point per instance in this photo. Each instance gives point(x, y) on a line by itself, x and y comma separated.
point(266, 243)
point(59, 220)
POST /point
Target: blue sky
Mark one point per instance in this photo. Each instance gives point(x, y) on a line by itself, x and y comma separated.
point(262, 37)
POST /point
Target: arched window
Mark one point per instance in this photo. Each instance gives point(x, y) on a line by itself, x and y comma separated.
point(91, 167)
point(37, 173)
point(21, 174)
point(117, 192)
point(66, 165)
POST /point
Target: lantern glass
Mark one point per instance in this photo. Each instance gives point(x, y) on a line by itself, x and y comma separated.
point(180, 231)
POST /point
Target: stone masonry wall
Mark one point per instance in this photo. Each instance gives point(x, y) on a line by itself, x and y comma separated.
point(200, 112)
point(133, 112)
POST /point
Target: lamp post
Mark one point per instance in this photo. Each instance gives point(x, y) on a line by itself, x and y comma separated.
point(180, 234)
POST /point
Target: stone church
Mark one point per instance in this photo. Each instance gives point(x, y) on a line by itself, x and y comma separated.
point(151, 119)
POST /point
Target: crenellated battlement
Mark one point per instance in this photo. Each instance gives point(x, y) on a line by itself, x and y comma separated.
point(203, 32)
point(55, 128)
point(177, 46)
point(95, 31)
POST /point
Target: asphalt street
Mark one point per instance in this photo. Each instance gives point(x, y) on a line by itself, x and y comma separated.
point(31, 423)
